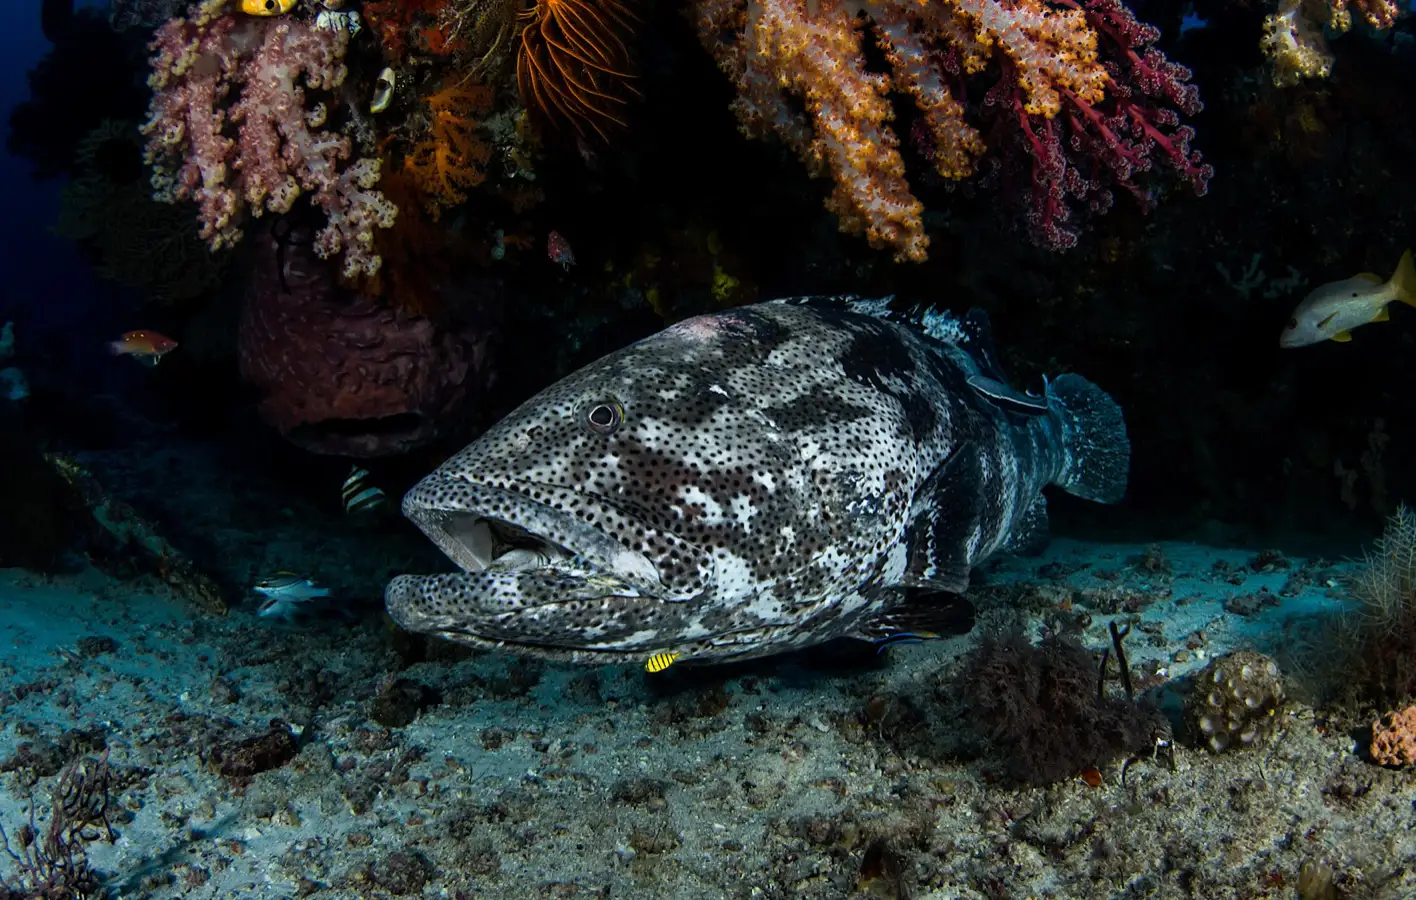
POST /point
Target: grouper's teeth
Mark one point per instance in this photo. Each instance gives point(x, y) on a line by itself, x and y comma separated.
point(524, 559)
point(476, 536)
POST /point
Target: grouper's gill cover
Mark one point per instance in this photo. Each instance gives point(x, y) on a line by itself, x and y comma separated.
point(747, 482)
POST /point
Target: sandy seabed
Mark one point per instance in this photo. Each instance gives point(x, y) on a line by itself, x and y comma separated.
point(339, 759)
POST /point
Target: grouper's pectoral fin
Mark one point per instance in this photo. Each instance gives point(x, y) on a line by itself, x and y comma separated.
point(1031, 534)
point(944, 523)
point(924, 615)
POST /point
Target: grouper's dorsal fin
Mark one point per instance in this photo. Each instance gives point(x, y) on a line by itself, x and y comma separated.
point(879, 307)
point(972, 332)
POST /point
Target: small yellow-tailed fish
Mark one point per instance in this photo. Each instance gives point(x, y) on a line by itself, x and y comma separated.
point(267, 7)
point(1331, 311)
point(660, 661)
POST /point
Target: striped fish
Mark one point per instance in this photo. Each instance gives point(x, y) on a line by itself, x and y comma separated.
point(359, 495)
point(660, 661)
point(285, 593)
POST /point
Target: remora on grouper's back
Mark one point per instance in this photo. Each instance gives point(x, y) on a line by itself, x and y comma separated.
point(750, 482)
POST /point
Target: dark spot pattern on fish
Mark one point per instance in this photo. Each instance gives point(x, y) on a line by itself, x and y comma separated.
point(689, 492)
point(816, 408)
point(888, 360)
point(740, 484)
point(693, 405)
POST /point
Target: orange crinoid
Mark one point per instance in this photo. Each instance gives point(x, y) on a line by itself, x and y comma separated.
point(572, 62)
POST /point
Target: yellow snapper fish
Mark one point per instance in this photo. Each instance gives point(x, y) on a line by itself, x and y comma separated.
point(1331, 311)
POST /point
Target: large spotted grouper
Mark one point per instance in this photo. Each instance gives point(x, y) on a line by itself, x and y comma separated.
point(750, 482)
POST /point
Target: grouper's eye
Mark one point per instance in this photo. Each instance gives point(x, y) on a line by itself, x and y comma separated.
point(604, 417)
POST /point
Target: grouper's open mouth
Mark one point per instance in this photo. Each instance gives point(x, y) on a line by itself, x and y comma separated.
point(533, 575)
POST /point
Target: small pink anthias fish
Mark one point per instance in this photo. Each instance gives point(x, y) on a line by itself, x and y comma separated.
point(558, 249)
point(144, 346)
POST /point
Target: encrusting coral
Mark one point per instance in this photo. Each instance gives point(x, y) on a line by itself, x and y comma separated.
point(1394, 738)
point(406, 25)
point(417, 255)
point(482, 32)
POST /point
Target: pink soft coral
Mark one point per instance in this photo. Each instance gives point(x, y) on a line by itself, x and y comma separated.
point(268, 147)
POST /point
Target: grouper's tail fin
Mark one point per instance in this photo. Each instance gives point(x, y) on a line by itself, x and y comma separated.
point(1098, 453)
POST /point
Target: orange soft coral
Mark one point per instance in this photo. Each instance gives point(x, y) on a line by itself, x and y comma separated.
point(452, 158)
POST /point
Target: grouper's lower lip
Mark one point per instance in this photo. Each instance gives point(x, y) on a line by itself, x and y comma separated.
point(454, 514)
point(573, 655)
point(553, 611)
point(399, 592)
